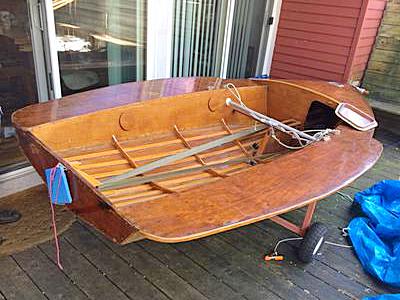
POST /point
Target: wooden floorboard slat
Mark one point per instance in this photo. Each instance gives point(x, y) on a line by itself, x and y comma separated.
point(47, 276)
point(205, 282)
point(129, 280)
point(342, 260)
point(83, 273)
point(290, 267)
point(282, 285)
point(232, 275)
point(15, 283)
point(343, 283)
point(153, 269)
point(301, 279)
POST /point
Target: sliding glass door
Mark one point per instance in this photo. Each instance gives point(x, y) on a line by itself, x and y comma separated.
point(217, 37)
point(247, 27)
point(17, 77)
point(99, 42)
point(53, 48)
point(106, 42)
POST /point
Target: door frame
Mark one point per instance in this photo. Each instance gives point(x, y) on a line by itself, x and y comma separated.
point(45, 54)
point(44, 43)
point(50, 42)
point(271, 36)
point(25, 177)
point(36, 30)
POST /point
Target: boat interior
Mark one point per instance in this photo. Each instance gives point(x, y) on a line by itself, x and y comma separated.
point(111, 142)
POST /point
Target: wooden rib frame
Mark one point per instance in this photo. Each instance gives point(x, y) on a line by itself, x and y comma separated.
point(126, 196)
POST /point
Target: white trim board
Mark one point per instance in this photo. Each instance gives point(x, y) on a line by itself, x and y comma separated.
point(227, 38)
point(37, 28)
point(276, 11)
point(159, 38)
point(19, 180)
point(50, 42)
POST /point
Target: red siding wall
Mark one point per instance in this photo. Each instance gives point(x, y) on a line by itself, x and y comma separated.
point(324, 39)
point(367, 35)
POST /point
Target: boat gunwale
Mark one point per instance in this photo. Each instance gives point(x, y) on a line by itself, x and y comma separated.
point(56, 156)
point(277, 211)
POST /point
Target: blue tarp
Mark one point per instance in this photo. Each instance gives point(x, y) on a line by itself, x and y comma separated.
point(376, 237)
point(383, 297)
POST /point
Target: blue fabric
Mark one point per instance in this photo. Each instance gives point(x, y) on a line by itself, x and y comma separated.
point(376, 238)
point(383, 297)
point(263, 76)
point(60, 193)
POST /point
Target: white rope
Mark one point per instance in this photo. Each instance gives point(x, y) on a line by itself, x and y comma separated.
point(338, 245)
point(235, 93)
point(320, 134)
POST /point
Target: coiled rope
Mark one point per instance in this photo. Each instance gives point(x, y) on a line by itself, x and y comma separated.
point(319, 134)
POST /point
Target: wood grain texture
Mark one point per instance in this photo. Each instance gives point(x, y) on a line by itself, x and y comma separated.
point(383, 73)
point(211, 204)
point(225, 266)
point(274, 188)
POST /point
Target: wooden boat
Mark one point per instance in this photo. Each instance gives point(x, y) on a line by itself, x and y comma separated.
point(104, 133)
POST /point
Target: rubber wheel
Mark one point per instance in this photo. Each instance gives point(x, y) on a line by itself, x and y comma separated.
point(312, 242)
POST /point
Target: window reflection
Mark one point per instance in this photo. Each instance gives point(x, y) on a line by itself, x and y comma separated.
point(17, 77)
point(100, 42)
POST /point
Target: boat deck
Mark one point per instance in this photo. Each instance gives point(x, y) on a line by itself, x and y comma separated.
point(224, 266)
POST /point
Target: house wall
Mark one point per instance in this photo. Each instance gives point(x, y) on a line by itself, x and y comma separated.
point(366, 38)
point(382, 78)
point(323, 39)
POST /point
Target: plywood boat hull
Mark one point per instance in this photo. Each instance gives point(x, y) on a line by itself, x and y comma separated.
point(256, 193)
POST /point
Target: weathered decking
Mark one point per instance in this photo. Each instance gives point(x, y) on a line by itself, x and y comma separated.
point(224, 266)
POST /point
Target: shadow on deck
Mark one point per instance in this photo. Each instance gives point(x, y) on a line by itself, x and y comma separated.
point(224, 266)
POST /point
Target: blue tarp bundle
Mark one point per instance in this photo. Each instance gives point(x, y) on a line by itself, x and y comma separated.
point(383, 297)
point(376, 237)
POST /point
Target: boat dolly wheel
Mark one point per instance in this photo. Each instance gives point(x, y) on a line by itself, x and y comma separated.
point(312, 242)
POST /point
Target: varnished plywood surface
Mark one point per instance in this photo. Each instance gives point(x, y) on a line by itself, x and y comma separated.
point(256, 194)
point(114, 96)
point(118, 95)
point(224, 266)
point(219, 204)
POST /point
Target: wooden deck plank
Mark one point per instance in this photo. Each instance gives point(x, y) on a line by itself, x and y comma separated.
point(241, 246)
point(340, 259)
point(343, 260)
point(161, 276)
point(344, 284)
point(238, 279)
point(205, 282)
point(15, 283)
point(46, 275)
point(129, 280)
point(154, 270)
point(283, 286)
point(83, 273)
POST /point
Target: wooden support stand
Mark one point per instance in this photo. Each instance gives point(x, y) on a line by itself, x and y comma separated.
point(300, 230)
